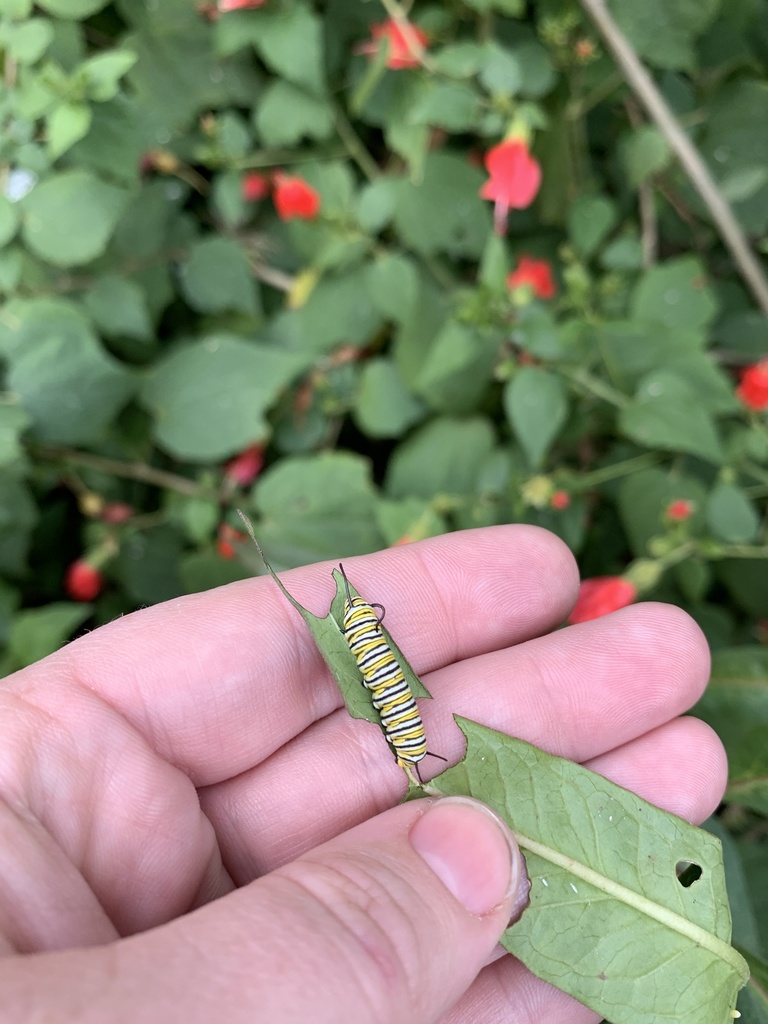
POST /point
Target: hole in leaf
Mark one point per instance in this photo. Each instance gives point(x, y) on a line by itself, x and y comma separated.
point(687, 873)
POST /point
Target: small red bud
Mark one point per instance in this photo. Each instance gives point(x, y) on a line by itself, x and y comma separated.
point(82, 581)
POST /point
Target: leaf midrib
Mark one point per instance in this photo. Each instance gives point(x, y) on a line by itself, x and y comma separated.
point(663, 915)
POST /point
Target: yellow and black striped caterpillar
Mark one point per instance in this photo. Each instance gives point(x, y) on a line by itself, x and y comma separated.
point(382, 675)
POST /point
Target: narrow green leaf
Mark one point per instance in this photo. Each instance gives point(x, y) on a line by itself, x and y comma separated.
point(609, 921)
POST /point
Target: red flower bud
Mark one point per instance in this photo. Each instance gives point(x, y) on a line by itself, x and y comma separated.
point(534, 274)
point(239, 5)
point(115, 512)
point(254, 186)
point(680, 510)
point(404, 42)
point(227, 536)
point(294, 198)
point(560, 500)
point(82, 581)
point(601, 595)
point(753, 388)
point(245, 467)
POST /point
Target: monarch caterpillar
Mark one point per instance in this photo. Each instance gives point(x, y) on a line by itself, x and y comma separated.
point(384, 677)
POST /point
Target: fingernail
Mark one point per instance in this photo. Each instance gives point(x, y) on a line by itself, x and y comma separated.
point(471, 851)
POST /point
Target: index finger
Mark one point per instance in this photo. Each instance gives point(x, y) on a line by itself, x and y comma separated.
point(218, 681)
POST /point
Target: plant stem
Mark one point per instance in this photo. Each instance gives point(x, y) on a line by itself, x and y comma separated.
point(115, 467)
point(600, 476)
point(691, 160)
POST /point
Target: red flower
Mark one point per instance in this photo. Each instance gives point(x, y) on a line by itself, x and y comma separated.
point(294, 197)
point(514, 182)
point(753, 389)
point(83, 581)
point(560, 500)
point(254, 186)
point(115, 512)
point(245, 467)
point(239, 5)
point(601, 595)
point(680, 510)
point(533, 274)
point(226, 538)
point(404, 43)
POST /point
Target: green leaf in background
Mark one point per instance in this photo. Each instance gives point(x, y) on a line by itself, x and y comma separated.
point(590, 219)
point(643, 498)
point(646, 152)
point(69, 219)
point(393, 286)
point(444, 212)
point(66, 124)
point(735, 704)
point(118, 307)
point(731, 516)
point(209, 397)
point(205, 570)
point(665, 414)
point(103, 72)
point(458, 367)
point(454, 106)
point(9, 220)
point(38, 632)
point(148, 565)
point(609, 921)
point(70, 387)
point(675, 294)
point(18, 515)
point(290, 42)
point(536, 405)
point(664, 33)
point(13, 420)
point(501, 72)
point(444, 457)
point(216, 278)
point(384, 407)
point(315, 507)
point(753, 1000)
point(339, 311)
point(28, 41)
point(72, 8)
point(409, 519)
point(286, 114)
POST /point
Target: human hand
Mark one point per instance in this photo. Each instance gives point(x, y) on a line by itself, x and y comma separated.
point(160, 764)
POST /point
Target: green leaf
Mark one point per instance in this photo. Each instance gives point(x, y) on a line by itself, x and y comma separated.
point(664, 33)
point(69, 219)
point(731, 516)
point(286, 114)
point(209, 398)
point(216, 278)
point(13, 421)
point(665, 414)
point(376, 205)
point(676, 295)
point(457, 370)
point(66, 124)
point(590, 219)
point(409, 519)
point(9, 220)
point(735, 704)
point(119, 307)
point(454, 106)
point(644, 497)
point(28, 41)
point(444, 212)
point(102, 73)
point(646, 152)
point(608, 921)
point(204, 570)
point(315, 507)
point(501, 72)
point(384, 407)
point(392, 282)
point(536, 405)
point(74, 9)
point(61, 376)
point(18, 515)
point(753, 1000)
point(339, 312)
point(148, 565)
point(290, 42)
point(444, 457)
point(38, 632)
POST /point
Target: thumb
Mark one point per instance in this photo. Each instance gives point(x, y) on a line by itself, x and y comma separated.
point(391, 921)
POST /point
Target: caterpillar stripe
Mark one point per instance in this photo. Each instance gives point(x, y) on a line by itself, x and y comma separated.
point(382, 675)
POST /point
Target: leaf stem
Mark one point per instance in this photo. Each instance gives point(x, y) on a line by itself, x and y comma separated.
point(115, 467)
